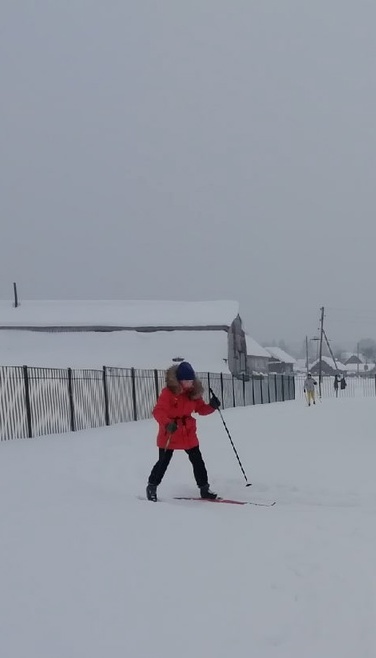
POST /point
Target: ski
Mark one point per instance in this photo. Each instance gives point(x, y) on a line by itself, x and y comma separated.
point(227, 501)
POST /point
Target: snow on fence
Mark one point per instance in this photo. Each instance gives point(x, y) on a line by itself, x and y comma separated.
point(37, 401)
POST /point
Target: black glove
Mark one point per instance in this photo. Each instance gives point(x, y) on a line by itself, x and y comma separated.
point(171, 427)
point(214, 402)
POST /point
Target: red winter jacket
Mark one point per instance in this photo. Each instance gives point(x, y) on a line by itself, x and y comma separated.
point(175, 404)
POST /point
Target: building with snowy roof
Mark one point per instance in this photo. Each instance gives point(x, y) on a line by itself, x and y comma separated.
point(280, 361)
point(360, 369)
point(117, 315)
point(257, 357)
point(328, 367)
point(142, 334)
point(350, 358)
point(300, 366)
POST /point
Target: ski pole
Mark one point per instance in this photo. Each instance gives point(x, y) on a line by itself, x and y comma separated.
point(248, 484)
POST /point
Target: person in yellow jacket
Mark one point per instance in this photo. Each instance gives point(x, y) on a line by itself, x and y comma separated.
point(309, 389)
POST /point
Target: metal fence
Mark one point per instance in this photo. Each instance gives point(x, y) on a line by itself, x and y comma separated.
point(37, 401)
point(356, 387)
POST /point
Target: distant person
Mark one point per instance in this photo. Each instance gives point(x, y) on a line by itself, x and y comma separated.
point(181, 397)
point(336, 384)
point(309, 389)
point(343, 383)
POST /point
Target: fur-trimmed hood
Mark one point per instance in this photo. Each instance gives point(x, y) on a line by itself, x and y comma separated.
point(174, 386)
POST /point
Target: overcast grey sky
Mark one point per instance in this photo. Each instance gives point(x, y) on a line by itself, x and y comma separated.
point(195, 149)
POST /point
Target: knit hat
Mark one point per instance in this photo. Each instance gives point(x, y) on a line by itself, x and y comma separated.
point(185, 371)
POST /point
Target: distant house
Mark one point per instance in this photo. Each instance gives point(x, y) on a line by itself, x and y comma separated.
point(151, 333)
point(280, 361)
point(300, 366)
point(356, 364)
point(257, 357)
point(327, 367)
point(349, 358)
point(361, 369)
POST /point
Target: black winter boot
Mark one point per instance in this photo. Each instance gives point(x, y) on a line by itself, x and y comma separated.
point(207, 494)
point(151, 492)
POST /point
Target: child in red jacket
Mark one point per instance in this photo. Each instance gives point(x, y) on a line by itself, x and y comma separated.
point(181, 397)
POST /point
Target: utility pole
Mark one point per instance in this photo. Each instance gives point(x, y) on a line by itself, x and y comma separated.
point(320, 352)
point(330, 350)
point(306, 353)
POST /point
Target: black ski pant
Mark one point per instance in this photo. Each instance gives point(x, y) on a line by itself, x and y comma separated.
point(195, 457)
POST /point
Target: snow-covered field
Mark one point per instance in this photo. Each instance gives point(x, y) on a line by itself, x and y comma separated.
point(89, 570)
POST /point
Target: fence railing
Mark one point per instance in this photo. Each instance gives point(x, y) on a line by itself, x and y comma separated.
point(355, 387)
point(37, 401)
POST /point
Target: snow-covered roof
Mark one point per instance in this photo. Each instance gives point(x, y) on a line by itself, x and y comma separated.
point(340, 366)
point(254, 349)
point(346, 355)
point(280, 355)
point(349, 355)
point(117, 313)
point(206, 350)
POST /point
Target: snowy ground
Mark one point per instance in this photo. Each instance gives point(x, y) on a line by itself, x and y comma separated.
point(89, 570)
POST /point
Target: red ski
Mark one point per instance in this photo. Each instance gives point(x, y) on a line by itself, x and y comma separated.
point(225, 500)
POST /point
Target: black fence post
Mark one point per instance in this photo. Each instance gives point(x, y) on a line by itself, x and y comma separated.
point(261, 390)
point(283, 387)
point(209, 384)
point(253, 389)
point(134, 398)
point(268, 390)
point(243, 389)
point(156, 382)
point(233, 392)
point(223, 400)
point(105, 393)
point(293, 388)
point(71, 402)
point(275, 387)
point(27, 402)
